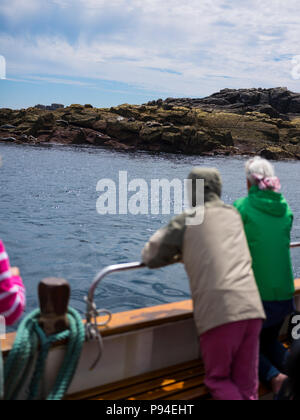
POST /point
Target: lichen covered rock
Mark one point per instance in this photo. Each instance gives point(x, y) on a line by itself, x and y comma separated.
point(186, 126)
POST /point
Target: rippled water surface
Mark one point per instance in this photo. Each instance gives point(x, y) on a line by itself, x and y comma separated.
point(51, 228)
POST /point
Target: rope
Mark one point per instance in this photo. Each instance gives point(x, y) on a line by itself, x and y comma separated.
point(26, 353)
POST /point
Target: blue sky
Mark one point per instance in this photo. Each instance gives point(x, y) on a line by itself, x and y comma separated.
point(107, 52)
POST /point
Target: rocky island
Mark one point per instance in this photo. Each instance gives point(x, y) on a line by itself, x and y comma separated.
point(231, 122)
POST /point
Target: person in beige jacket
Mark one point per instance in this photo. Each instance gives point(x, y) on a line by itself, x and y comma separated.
point(228, 310)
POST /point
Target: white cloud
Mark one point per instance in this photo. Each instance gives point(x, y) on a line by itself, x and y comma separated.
point(16, 10)
point(205, 45)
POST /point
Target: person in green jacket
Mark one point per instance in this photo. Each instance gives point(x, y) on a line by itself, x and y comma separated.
point(268, 222)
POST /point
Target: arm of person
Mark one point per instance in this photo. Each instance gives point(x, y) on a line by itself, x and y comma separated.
point(165, 246)
point(12, 290)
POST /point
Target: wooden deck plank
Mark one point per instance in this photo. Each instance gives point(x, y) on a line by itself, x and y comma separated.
point(180, 382)
point(172, 390)
point(177, 369)
point(197, 393)
point(166, 382)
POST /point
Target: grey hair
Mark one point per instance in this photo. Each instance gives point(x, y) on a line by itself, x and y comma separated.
point(259, 166)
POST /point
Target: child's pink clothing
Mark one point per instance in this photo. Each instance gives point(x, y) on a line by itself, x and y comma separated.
point(12, 291)
point(231, 358)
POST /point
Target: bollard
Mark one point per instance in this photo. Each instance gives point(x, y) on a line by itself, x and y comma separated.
point(54, 296)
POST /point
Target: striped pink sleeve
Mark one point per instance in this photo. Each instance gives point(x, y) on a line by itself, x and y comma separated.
point(12, 291)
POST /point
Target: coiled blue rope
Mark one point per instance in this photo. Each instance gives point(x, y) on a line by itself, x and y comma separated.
point(30, 338)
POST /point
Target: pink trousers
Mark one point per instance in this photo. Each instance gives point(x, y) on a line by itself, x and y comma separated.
point(231, 358)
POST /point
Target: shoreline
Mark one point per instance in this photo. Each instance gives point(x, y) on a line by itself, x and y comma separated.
point(162, 154)
point(132, 150)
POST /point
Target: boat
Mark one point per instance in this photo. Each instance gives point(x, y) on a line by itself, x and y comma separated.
point(145, 354)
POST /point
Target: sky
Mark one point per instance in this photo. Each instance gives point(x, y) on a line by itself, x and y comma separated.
point(108, 52)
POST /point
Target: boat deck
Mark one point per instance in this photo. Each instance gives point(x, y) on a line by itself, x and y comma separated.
point(184, 382)
point(170, 370)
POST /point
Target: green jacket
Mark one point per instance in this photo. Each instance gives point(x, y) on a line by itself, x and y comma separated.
point(268, 221)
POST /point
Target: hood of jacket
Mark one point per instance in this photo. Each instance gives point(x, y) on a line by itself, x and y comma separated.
point(212, 185)
point(268, 201)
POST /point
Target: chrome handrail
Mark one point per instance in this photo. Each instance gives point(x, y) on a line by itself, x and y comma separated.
point(295, 244)
point(117, 268)
point(92, 330)
point(110, 270)
point(92, 311)
point(92, 324)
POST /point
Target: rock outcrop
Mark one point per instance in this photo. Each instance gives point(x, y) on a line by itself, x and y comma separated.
point(277, 102)
point(52, 107)
point(210, 126)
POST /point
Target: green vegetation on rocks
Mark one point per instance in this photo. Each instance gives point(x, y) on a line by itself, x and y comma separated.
point(161, 127)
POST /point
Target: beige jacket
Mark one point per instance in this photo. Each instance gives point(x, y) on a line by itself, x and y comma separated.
point(218, 263)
